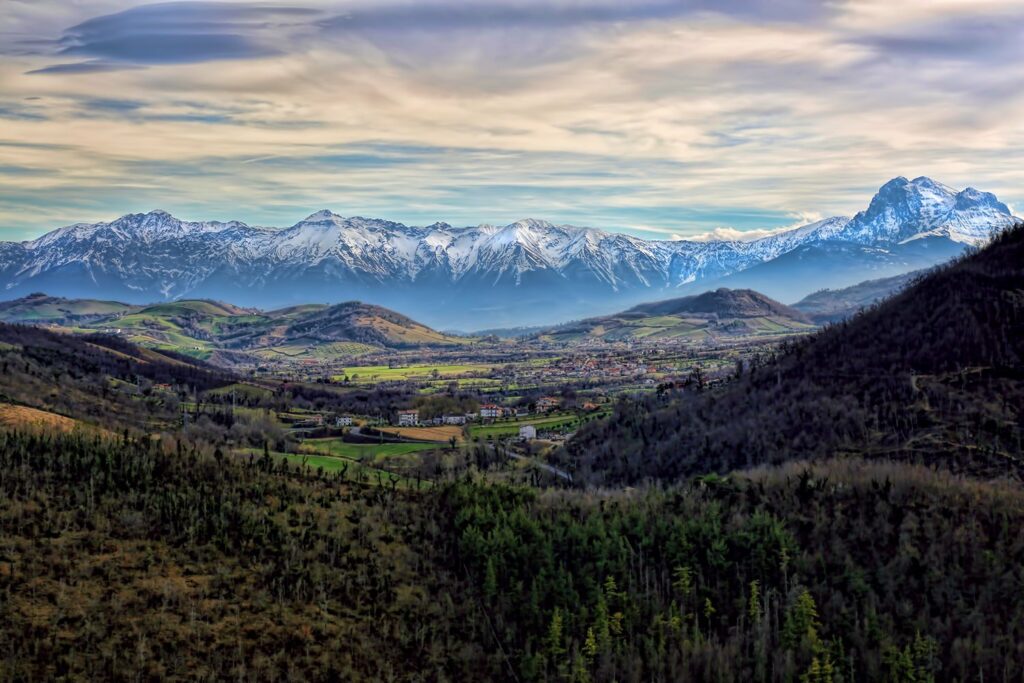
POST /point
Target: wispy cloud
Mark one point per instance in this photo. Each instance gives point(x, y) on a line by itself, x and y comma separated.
point(180, 33)
point(655, 117)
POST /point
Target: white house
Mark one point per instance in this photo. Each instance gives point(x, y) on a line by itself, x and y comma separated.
point(408, 418)
point(527, 432)
point(455, 419)
point(343, 421)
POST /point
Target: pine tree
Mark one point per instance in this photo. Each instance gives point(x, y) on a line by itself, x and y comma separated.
point(555, 637)
point(590, 648)
point(490, 581)
point(754, 603)
point(801, 622)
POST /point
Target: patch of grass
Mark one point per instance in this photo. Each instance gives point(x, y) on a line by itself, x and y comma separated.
point(23, 417)
point(354, 471)
point(193, 307)
point(440, 433)
point(362, 451)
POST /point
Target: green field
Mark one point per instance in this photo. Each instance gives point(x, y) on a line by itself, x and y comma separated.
point(382, 373)
point(354, 471)
point(364, 451)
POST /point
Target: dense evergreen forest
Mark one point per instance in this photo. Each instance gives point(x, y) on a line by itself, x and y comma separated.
point(132, 560)
point(934, 375)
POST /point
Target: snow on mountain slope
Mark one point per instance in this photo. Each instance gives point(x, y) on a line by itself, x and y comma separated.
point(530, 264)
point(904, 210)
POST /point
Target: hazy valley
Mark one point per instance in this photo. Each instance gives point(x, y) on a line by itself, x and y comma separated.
point(386, 439)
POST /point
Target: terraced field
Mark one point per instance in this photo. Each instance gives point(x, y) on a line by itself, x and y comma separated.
point(312, 350)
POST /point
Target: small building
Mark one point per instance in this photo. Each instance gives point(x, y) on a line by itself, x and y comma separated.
point(343, 421)
point(548, 403)
point(408, 418)
point(472, 416)
point(491, 411)
point(454, 419)
point(589, 406)
point(527, 432)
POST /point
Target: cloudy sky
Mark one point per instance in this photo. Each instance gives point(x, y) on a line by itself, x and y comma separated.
point(657, 117)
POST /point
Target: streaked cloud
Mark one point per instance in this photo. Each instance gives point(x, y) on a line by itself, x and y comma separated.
point(656, 117)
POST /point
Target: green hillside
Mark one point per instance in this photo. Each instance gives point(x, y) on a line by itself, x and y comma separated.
point(104, 381)
point(722, 313)
point(40, 308)
point(200, 328)
point(198, 307)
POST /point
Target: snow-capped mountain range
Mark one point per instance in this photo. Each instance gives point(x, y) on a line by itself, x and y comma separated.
point(527, 272)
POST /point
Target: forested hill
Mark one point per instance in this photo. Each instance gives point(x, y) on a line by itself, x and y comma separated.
point(97, 379)
point(935, 374)
point(725, 303)
point(146, 560)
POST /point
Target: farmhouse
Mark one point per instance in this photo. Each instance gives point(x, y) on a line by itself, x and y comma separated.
point(491, 410)
point(455, 419)
point(343, 421)
point(408, 418)
point(548, 403)
point(527, 432)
